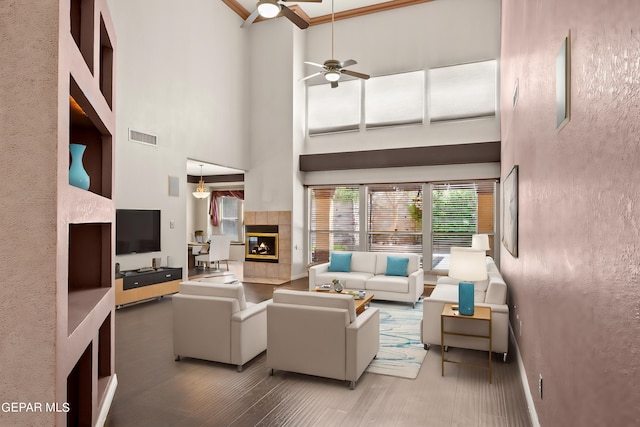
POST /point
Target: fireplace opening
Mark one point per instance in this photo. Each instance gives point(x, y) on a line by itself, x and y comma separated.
point(261, 243)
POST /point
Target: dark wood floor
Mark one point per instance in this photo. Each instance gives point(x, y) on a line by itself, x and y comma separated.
point(155, 390)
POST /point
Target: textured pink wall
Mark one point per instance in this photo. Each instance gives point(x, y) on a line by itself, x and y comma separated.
point(575, 284)
point(28, 190)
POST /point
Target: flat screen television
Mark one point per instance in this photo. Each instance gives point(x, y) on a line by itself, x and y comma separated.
point(137, 231)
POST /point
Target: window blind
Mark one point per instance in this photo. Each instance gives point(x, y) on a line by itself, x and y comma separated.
point(458, 211)
point(231, 218)
point(394, 99)
point(334, 220)
point(395, 218)
point(333, 109)
point(463, 91)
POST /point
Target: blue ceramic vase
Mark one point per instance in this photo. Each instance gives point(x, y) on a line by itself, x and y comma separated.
point(466, 298)
point(78, 177)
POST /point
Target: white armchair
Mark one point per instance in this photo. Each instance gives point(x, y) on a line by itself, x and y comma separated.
point(214, 322)
point(319, 334)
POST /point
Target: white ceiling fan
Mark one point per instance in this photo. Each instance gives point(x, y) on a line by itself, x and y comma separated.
point(332, 68)
point(272, 8)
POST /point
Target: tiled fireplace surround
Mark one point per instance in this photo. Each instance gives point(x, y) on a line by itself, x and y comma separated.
point(280, 271)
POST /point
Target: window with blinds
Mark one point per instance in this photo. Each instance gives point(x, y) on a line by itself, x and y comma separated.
point(458, 211)
point(231, 218)
point(396, 99)
point(463, 91)
point(333, 109)
point(334, 221)
point(395, 218)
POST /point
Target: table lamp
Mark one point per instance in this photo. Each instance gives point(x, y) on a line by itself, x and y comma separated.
point(467, 265)
point(480, 242)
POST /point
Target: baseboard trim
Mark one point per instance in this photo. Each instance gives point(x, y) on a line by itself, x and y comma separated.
point(533, 415)
point(106, 401)
point(299, 276)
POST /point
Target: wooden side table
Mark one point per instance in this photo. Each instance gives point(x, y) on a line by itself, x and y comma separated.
point(480, 314)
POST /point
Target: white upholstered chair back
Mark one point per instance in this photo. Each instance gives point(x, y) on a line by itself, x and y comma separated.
point(219, 247)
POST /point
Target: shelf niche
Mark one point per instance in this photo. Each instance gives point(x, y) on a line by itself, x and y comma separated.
point(86, 128)
point(82, 28)
point(89, 269)
point(104, 357)
point(79, 391)
point(106, 64)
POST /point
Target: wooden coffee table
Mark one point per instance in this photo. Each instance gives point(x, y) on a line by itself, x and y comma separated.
point(360, 303)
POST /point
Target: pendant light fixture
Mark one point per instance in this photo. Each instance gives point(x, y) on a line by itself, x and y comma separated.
point(201, 192)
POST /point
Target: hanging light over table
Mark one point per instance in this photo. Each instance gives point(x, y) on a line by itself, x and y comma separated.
point(201, 192)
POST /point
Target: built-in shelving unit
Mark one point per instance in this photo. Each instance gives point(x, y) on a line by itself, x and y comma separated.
point(85, 345)
point(57, 85)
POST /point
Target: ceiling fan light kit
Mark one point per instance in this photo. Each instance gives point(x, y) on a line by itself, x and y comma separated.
point(268, 8)
point(332, 75)
point(272, 8)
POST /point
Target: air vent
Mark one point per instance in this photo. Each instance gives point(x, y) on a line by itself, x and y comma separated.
point(143, 138)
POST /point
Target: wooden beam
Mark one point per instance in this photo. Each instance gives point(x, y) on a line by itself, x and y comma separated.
point(237, 8)
point(455, 154)
point(209, 179)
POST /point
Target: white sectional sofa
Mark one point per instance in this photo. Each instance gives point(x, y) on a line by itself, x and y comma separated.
point(369, 271)
point(488, 293)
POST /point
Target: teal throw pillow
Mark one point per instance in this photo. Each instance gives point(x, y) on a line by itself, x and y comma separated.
point(340, 263)
point(397, 266)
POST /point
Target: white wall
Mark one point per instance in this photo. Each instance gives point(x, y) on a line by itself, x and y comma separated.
point(181, 75)
point(269, 178)
point(273, 182)
point(406, 174)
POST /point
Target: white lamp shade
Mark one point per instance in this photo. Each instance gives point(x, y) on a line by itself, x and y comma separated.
point(480, 242)
point(268, 9)
point(468, 264)
point(200, 194)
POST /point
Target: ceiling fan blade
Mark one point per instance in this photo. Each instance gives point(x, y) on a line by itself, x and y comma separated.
point(254, 15)
point(303, 1)
point(312, 75)
point(314, 64)
point(294, 17)
point(334, 85)
point(355, 74)
point(348, 63)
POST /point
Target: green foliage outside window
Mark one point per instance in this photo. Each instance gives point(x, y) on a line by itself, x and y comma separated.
point(346, 194)
point(455, 211)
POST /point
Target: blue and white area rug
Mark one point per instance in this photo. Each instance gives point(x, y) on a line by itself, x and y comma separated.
point(401, 351)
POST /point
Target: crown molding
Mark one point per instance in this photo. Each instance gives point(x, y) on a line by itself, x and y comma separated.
point(347, 14)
